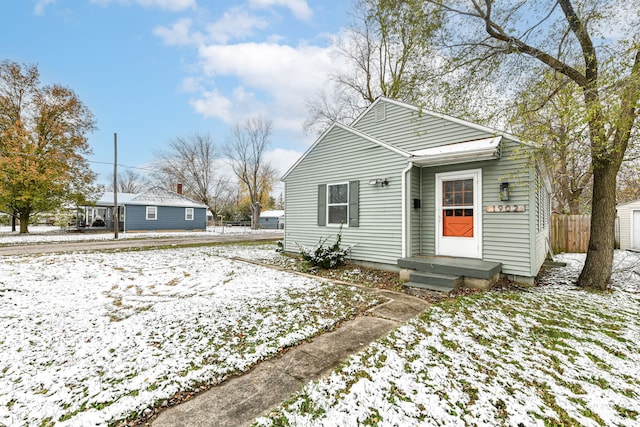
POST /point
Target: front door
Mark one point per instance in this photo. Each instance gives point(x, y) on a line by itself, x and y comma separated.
point(459, 213)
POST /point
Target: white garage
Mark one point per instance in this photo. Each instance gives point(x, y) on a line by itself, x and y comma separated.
point(629, 222)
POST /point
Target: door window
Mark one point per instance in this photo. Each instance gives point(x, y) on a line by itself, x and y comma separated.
point(457, 208)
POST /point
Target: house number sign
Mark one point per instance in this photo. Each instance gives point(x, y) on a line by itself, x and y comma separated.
point(505, 208)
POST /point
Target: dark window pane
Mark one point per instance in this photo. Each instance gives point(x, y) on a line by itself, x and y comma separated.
point(337, 214)
point(458, 212)
point(468, 212)
point(458, 198)
point(468, 185)
point(457, 186)
point(448, 212)
point(338, 193)
point(468, 198)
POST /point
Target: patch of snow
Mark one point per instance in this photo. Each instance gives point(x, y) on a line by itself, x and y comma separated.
point(532, 358)
point(89, 338)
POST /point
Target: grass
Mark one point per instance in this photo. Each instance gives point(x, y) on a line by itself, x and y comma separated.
point(552, 356)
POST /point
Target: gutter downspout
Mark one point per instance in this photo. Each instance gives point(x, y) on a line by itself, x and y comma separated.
point(404, 208)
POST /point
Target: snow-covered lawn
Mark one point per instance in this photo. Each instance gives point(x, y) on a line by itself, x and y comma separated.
point(90, 338)
point(51, 234)
point(551, 355)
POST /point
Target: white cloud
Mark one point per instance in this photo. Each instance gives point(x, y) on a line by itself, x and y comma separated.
point(213, 104)
point(236, 23)
point(178, 34)
point(279, 78)
point(40, 5)
point(299, 8)
point(282, 159)
point(171, 5)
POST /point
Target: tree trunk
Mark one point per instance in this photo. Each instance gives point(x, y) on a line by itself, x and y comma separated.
point(574, 204)
point(24, 221)
point(13, 222)
point(255, 216)
point(599, 262)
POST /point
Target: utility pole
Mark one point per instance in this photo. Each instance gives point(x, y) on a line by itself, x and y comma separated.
point(116, 223)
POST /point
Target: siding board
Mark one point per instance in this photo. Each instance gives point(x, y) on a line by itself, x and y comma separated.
point(341, 157)
point(169, 218)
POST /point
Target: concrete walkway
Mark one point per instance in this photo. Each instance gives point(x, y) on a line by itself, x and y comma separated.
point(97, 245)
point(238, 401)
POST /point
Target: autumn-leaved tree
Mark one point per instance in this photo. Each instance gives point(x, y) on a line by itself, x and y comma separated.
point(575, 39)
point(245, 150)
point(43, 144)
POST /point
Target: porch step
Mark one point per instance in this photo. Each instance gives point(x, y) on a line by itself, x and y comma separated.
point(466, 267)
point(435, 279)
point(429, 287)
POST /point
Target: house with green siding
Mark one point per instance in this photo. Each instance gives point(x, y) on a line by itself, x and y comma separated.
point(447, 202)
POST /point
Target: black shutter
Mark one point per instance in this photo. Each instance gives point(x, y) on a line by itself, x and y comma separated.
point(322, 204)
point(354, 190)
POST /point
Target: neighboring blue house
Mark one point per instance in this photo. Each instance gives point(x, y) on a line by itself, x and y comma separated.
point(272, 220)
point(156, 209)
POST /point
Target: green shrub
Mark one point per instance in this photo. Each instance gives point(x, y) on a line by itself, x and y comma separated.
point(322, 256)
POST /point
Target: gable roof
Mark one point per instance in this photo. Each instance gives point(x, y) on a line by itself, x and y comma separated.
point(418, 155)
point(437, 115)
point(356, 132)
point(106, 198)
point(159, 196)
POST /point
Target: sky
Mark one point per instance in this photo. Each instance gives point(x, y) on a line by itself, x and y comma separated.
point(154, 70)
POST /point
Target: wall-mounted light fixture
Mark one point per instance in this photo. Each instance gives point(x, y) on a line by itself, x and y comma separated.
point(504, 191)
point(381, 181)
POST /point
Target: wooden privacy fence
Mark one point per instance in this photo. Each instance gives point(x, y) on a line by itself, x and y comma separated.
point(570, 233)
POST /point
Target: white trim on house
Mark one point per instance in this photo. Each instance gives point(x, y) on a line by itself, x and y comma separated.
point(346, 204)
point(149, 216)
point(462, 152)
point(404, 206)
point(189, 214)
point(633, 233)
point(369, 138)
point(469, 247)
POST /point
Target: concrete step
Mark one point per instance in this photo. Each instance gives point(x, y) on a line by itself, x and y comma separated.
point(466, 267)
point(446, 280)
point(437, 288)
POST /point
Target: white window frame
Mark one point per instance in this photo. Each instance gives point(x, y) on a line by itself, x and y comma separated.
point(155, 213)
point(189, 214)
point(346, 221)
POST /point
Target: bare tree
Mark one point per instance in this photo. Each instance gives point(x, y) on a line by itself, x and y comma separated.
point(548, 112)
point(191, 161)
point(570, 38)
point(388, 53)
point(129, 181)
point(245, 150)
